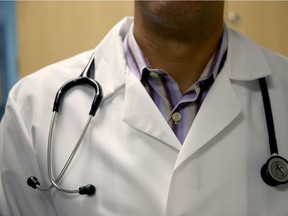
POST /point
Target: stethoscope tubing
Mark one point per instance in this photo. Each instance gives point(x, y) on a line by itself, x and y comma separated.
point(68, 162)
point(268, 116)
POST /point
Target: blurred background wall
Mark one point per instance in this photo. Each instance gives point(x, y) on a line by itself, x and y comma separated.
point(266, 22)
point(52, 30)
point(49, 31)
point(8, 49)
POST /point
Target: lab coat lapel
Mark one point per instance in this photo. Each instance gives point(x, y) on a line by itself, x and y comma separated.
point(141, 113)
point(245, 62)
point(218, 110)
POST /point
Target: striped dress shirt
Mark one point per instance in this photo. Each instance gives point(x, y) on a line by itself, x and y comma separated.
point(179, 110)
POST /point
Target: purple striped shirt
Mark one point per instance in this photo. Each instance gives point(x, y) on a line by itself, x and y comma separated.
point(178, 110)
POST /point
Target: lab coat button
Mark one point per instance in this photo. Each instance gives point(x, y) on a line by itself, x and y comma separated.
point(176, 117)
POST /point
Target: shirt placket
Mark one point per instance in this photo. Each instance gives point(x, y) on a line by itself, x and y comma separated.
point(175, 108)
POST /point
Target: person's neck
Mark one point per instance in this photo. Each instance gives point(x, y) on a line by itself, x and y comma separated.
point(182, 53)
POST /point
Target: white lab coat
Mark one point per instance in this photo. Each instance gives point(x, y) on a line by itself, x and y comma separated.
point(131, 154)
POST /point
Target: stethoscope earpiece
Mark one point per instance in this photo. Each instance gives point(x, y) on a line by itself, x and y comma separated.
point(87, 190)
point(275, 171)
point(32, 181)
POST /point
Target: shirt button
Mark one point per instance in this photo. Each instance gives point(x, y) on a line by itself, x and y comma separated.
point(176, 117)
point(154, 75)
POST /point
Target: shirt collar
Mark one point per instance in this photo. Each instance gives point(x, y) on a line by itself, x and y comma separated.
point(137, 61)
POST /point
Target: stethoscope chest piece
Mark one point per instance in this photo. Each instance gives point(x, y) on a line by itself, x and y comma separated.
point(275, 171)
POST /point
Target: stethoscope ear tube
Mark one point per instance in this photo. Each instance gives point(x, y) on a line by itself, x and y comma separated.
point(83, 190)
point(76, 82)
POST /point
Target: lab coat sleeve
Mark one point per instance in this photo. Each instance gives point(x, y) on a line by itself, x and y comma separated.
point(17, 163)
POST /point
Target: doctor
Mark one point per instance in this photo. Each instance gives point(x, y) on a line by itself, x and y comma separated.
point(181, 128)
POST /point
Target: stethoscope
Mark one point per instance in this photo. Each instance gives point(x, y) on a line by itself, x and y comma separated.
point(274, 172)
point(85, 78)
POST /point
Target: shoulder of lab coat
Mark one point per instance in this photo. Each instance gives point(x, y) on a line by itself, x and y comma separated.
point(108, 53)
point(31, 98)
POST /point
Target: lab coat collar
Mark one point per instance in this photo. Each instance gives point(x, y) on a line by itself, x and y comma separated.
point(110, 62)
point(245, 59)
